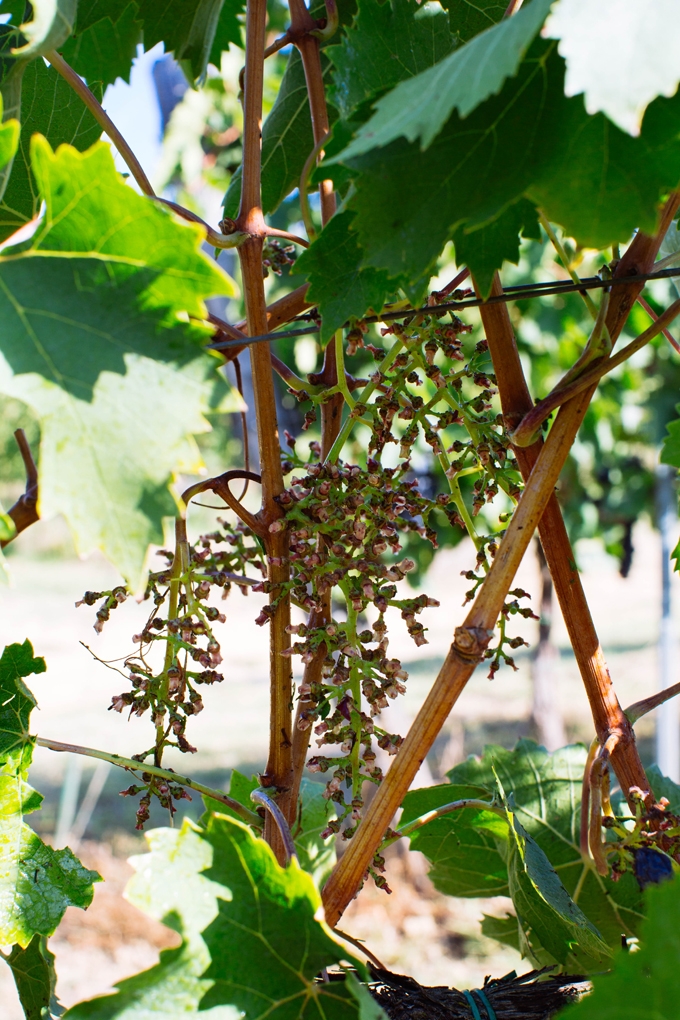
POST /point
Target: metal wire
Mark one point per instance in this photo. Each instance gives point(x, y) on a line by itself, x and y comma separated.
point(514, 293)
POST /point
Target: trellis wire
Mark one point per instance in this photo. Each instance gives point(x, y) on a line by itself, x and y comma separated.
point(514, 293)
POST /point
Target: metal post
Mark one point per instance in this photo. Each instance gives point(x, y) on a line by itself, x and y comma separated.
point(667, 724)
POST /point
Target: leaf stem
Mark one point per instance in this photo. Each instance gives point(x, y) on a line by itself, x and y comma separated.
point(102, 117)
point(445, 809)
point(261, 797)
point(564, 259)
point(130, 765)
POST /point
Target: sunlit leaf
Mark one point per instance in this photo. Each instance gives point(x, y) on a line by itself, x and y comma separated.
point(419, 107)
point(619, 53)
point(644, 985)
point(120, 277)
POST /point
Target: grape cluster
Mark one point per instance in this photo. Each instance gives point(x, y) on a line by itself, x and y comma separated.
point(169, 686)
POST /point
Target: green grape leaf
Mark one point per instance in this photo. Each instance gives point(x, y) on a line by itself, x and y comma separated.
point(503, 929)
point(419, 107)
point(10, 131)
point(387, 43)
point(90, 12)
point(35, 978)
point(615, 182)
point(464, 848)
point(470, 17)
point(50, 26)
point(644, 985)
point(168, 886)
point(120, 276)
point(620, 64)
point(267, 943)
point(369, 1008)
point(546, 791)
point(662, 786)
point(104, 51)
point(201, 883)
point(545, 909)
point(37, 883)
point(670, 451)
point(186, 27)
point(338, 284)
point(287, 140)
point(16, 705)
point(229, 30)
point(316, 855)
point(471, 172)
point(484, 249)
point(582, 171)
point(48, 106)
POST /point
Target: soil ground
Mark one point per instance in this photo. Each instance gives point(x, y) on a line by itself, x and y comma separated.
point(416, 931)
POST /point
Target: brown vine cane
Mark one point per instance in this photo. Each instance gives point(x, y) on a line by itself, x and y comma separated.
point(250, 219)
point(604, 705)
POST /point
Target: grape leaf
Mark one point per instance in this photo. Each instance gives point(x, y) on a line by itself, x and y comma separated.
point(316, 855)
point(627, 55)
point(545, 909)
point(471, 172)
point(614, 183)
point(266, 942)
point(470, 17)
point(338, 284)
point(104, 51)
point(50, 26)
point(168, 886)
point(583, 172)
point(462, 847)
point(546, 791)
point(386, 44)
point(419, 107)
point(186, 27)
point(287, 140)
point(503, 929)
point(244, 888)
point(16, 705)
point(662, 786)
point(35, 978)
point(644, 985)
point(48, 106)
point(670, 451)
point(229, 30)
point(485, 249)
point(118, 274)
point(90, 12)
point(37, 883)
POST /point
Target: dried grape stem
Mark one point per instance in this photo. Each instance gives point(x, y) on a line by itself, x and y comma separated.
point(607, 713)
point(250, 219)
